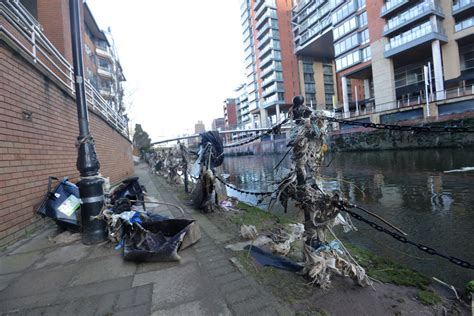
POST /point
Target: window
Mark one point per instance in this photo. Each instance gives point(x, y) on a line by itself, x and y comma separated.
point(345, 28)
point(103, 63)
point(467, 56)
point(348, 60)
point(309, 88)
point(344, 12)
point(308, 67)
point(366, 54)
point(308, 77)
point(364, 36)
point(363, 19)
point(346, 44)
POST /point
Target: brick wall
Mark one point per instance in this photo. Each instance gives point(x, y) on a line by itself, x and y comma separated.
point(30, 151)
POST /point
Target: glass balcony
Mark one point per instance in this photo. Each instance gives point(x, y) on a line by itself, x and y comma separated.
point(464, 24)
point(392, 6)
point(272, 46)
point(420, 34)
point(275, 55)
point(269, 14)
point(270, 68)
point(276, 87)
point(462, 5)
point(271, 24)
point(412, 15)
point(272, 34)
point(315, 30)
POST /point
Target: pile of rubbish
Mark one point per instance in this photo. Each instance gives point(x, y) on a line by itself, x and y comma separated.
point(142, 235)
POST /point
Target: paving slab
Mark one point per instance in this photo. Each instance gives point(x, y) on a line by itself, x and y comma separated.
point(6, 279)
point(195, 308)
point(64, 255)
point(103, 269)
point(18, 262)
point(173, 286)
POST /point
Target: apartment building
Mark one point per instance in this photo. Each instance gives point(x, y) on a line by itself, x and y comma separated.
point(270, 63)
point(380, 50)
point(102, 67)
point(245, 119)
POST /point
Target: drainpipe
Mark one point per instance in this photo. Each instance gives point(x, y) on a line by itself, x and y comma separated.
point(90, 185)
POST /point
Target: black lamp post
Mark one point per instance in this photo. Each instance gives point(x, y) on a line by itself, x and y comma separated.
point(90, 185)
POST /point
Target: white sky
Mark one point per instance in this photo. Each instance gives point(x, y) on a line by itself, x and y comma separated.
point(181, 58)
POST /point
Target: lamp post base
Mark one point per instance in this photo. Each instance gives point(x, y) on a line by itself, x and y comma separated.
point(92, 197)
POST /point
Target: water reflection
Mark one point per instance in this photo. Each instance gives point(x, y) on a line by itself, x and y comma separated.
point(407, 188)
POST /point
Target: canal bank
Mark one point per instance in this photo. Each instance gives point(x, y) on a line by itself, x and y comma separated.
point(409, 188)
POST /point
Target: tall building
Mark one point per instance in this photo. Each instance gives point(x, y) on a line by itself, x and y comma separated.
point(271, 66)
point(218, 124)
point(380, 50)
point(199, 127)
point(230, 113)
point(245, 119)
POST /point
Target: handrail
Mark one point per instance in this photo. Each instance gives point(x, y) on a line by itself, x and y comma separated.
point(26, 32)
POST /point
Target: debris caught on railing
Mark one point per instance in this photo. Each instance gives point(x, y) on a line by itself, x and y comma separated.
point(248, 232)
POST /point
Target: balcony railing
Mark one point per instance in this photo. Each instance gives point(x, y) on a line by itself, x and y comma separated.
point(391, 5)
point(26, 33)
point(448, 94)
point(413, 34)
point(411, 15)
point(103, 52)
point(462, 4)
point(315, 30)
point(464, 24)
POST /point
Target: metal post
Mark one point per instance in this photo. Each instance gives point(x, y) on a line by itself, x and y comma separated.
point(90, 185)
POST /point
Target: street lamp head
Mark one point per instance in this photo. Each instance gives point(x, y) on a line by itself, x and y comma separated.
point(298, 100)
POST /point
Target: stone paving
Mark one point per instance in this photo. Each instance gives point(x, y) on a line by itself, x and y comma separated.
point(39, 277)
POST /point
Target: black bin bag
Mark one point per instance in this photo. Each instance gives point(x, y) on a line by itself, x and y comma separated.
point(161, 240)
point(62, 204)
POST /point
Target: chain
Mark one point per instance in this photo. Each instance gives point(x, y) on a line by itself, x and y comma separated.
point(404, 128)
point(404, 240)
point(240, 190)
point(274, 129)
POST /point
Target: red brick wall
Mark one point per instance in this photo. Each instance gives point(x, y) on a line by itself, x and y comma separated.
point(54, 17)
point(30, 151)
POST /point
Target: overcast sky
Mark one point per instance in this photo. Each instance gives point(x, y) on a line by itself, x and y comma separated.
point(181, 58)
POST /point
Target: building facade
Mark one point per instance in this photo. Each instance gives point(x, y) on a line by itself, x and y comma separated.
point(386, 55)
point(102, 67)
point(270, 63)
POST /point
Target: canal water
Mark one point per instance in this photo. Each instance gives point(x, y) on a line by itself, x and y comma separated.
point(411, 189)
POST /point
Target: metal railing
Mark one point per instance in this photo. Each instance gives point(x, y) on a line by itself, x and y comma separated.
point(26, 32)
point(371, 108)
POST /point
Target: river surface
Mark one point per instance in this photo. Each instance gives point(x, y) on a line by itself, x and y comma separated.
point(408, 188)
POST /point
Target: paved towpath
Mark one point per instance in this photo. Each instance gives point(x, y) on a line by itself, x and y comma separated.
point(40, 277)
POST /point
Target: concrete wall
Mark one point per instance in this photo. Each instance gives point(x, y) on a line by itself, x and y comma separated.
point(32, 150)
point(383, 74)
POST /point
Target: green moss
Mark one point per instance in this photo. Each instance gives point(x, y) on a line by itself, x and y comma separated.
point(317, 312)
point(285, 285)
point(470, 287)
point(388, 271)
point(428, 297)
point(252, 215)
point(183, 196)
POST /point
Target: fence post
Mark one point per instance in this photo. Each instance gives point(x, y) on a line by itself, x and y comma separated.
point(33, 40)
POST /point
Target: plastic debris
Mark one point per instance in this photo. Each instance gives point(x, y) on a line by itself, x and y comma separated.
point(65, 237)
point(268, 259)
point(61, 204)
point(248, 232)
point(240, 246)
